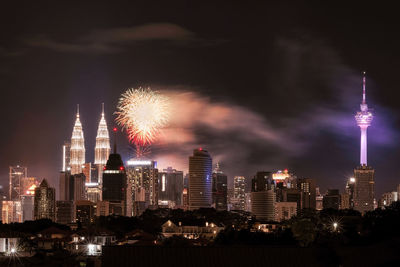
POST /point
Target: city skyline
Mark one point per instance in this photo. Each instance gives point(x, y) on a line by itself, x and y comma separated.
point(310, 71)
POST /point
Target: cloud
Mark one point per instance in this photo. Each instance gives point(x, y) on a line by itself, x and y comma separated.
point(4, 52)
point(113, 40)
point(236, 136)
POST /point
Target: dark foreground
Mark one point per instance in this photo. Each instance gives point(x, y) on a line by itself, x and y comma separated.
point(382, 255)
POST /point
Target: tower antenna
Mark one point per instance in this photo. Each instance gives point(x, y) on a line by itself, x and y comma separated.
point(364, 87)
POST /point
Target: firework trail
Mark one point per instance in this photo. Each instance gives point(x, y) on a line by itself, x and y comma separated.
point(142, 113)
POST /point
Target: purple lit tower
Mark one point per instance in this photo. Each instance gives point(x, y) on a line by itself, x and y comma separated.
point(363, 118)
point(364, 184)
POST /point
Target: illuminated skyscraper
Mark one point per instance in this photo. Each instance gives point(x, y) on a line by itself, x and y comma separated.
point(102, 148)
point(200, 168)
point(17, 173)
point(115, 184)
point(239, 197)
point(77, 158)
point(143, 185)
point(45, 202)
point(170, 187)
point(66, 154)
point(219, 189)
point(364, 174)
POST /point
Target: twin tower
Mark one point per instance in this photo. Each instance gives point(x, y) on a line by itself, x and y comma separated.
point(74, 159)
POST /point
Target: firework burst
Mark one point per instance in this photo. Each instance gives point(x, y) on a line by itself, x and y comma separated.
point(142, 113)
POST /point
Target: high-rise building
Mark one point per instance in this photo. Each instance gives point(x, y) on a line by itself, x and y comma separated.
point(170, 187)
point(364, 174)
point(102, 148)
point(65, 212)
point(263, 205)
point(84, 212)
point(143, 185)
point(332, 199)
point(262, 181)
point(93, 192)
point(285, 210)
point(45, 202)
point(349, 190)
point(200, 179)
point(388, 198)
point(239, 197)
point(115, 184)
point(344, 201)
point(319, 200)
point(64, 185)
point(66, 156)
point(103, 208)
point(308, 194)
point(72, 187)
point(27, 206)
point(11, 211)
point(263, 196)
point(77, 158)
point(364, 188)
point(17, 173)
point(219, 189)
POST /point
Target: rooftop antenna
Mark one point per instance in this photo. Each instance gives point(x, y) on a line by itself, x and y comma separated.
point(115, 140)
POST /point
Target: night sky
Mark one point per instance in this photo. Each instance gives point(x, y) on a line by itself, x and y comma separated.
point(260, 86)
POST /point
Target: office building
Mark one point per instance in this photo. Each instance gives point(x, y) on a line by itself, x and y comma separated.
point(65, 212)
point(285, 210)
point(11, 211)
point(66, 156)
point(45, 202)
point(115, 184)
point(72, 187)
point(170, 188)
point(16, 174)
point(239, 197)
point(307, 188)
point(263, 205)
point(84, 212)
point(27, 206)
point(93, 192)
point(143, 185)
point(332, 199)
point(364, 187)
point(200, 179)
point(102, 208)
point(219, 189)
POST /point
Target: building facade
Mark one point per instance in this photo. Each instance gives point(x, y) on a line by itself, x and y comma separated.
point(77, 150)
point(114, 188)
point(45, 202)
point(102, 148)
point(239, 197)
point(219, 189)
point(16, 175)
point(200, 179)
point(170, 187)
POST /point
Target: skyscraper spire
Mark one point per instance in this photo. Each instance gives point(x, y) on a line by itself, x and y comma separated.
point(363, 87)
point(77, 158)
point(363, 118)
point(102, 148)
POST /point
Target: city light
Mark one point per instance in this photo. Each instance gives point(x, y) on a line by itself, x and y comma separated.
point(138, 162)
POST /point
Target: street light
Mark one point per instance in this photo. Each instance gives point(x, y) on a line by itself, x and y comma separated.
point(335, 225)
